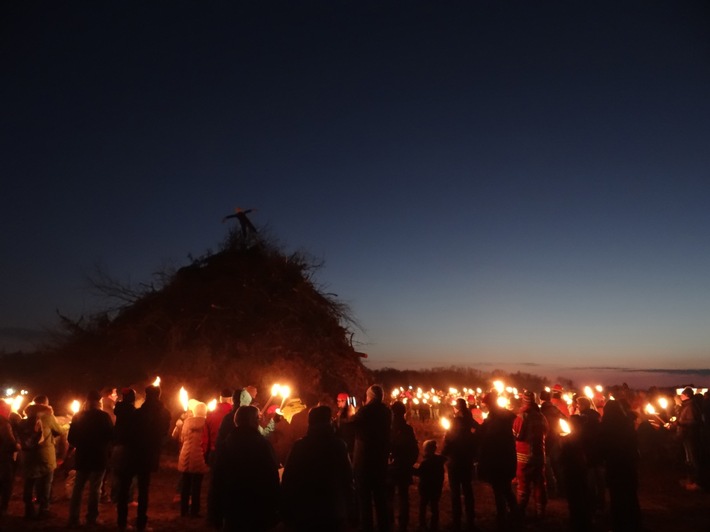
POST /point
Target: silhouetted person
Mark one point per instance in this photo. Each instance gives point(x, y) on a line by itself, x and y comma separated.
point(620, 453)
point(553, 471)
point(530, 429)
point(460, 450)
point(404, 451)
point(371, 425)
point(8, 447)
point(244, 221)
point(574, 468)
point(431, 483)
point(90, 432)
point(497, 459)
point(246, 477)
point(317, 480)
point(690, 432)
point(144, 431)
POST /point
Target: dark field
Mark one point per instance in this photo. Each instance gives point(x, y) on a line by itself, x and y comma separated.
point(666, 506)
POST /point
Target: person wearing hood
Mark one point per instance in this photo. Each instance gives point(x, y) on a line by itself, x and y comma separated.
point(317, 482)
point(90, 434)
point(191, 461)
point(40, 461)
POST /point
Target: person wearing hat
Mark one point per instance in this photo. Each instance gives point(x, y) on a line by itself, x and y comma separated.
point(90, 433)
point(317, 481)
point(213, 422)
point(530, 429)
point(404, 452)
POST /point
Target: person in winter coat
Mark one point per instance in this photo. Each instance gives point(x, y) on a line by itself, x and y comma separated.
point(90, 433)
point(530, 429)
point(124, 411)
point(591, 420)
point(371, 425)
point(460, 450)
point(497, 460)
point(8, 448)
point(317, 482)
point(574, 469)
point(144, 431)
point(431, 482)
point(40, 461)
point(214, 421)
point(191, 461)
point(620, 453)
point(689, 423)
point(553, 470)
point(404, 451)
point(246, 477)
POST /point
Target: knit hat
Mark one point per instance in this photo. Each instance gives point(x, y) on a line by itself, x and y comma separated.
point(245, 398)
point(342, 396)
point(528, 398)
point(375, 392)
point(226, 392)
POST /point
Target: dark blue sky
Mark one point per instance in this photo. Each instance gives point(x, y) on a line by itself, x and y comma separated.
point(498, 184)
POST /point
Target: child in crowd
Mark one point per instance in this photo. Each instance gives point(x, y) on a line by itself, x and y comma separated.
point(431, 481)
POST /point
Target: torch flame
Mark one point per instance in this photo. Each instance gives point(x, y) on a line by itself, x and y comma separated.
point(650, 409)
point(184, 400)
point(503, 402)
point(588, 392)
point(212, 405)
point(445, 423)
point(75, 406)
point(663, 402)
point(498, 386)
point(564, 427)
point(156, 382)
point(285, 391)
point(17, 403)
point(275, 389)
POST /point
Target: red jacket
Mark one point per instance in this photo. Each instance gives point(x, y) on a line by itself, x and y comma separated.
point(214, 420)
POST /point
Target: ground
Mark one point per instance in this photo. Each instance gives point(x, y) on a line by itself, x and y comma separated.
point(666, 506)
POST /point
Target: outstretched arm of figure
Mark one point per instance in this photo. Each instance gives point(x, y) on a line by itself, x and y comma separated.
point(228, 217)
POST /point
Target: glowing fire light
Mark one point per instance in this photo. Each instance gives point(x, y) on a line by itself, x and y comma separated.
point(395, 393)
point(156, 382)
point(663, 402)
point(285, 392)
point(503, 402)
point(564, 427)
point(599, 388)
point(650, 410)
point(588, 392)
point(75, 406)
point(445, 423)
point(212, 405)
point(184, 399)
point(498, 386)
point(275, 389)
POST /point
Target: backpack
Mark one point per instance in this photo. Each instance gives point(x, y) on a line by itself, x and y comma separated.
point(30, 433)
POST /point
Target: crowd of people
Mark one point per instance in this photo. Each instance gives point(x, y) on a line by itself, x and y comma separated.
point(346, 468)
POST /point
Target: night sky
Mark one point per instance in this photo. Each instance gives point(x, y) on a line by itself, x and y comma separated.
point(523, 186)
